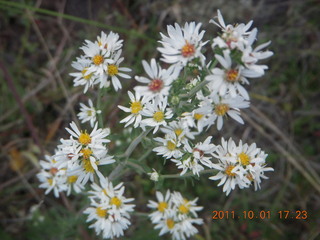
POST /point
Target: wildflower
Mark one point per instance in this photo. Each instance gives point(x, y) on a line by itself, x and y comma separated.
point(227, 106)
point(175, 214)
point(83, 153)
point(183, 44)
point(109, 42)
point(99, 60)
point(113, 71)
point(156, 113)
point(52, 178)
point(239, 165)
point(110, 211)
point(136, 107)
point(83, 77)
point(88, 113)
point(170, 146)
point(230, 79)
point(159, 81)
point(161, 207)
point(232, 36)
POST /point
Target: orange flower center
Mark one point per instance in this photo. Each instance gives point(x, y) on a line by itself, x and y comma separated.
point(156, 85)
point(232, 75)
point(188, 50)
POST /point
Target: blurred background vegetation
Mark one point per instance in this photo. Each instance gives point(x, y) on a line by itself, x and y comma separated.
point(39, 40)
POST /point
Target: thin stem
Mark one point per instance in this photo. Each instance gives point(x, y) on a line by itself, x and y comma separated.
point(189, 174)
point(100, 117)
point(134, 144)
point(194, 90)
point(117, 171)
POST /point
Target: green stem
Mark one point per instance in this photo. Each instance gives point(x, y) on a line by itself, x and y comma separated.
point(100, 117)
point(117, 171)
point(194, 90)
point(189, 174)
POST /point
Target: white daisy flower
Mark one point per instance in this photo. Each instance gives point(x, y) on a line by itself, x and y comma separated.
point(253, 160)
point(52, 178)
point(188, 163)
point(83, 153)
point(230, 79)
point(201, 151)
point(185, 207)
point(182, 131)
point(88, 113)
point(183, 44)
point(113, 70)
point(136, 107)
point(83, 78)
point(233, 36)
point(162, 206)
point(250, 57)
point(159, 81)
point(169, 146)
point(110, 209)
point(175, 214)
point(231, 173)
point(156, 113)
point(227, 106)
point(99, 60)
point(109, 42)
point(72, 183)
point(198, 118)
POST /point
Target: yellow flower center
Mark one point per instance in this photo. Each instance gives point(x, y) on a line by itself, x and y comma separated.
point(178, 131)
point(97, 59)
point(158, 116)
point(188, 50)
point(50, 181)
point(183, 209)
point(89, 113)
point(170, 223)
point(229, 171)
point(221, 109)
point(116, 201)
point(136, 107)
point(84, 138)
point(232, 75)
point(88, 76)
point(171, 145)
point(244, 159)
point(101, 212)
point(198, 116)
point(86, 153)
point(162, 206)
point(112, 70)
point(72, 179)
point(87, 166)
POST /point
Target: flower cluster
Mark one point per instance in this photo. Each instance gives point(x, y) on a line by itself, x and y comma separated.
point(56, 180)
point(178, 104)
point(175, 214)
point(100, 63)
point(241, 165)
point(109, 209)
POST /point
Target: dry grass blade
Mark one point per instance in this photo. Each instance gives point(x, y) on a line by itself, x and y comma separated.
point(268, 123)
point(284, 152)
